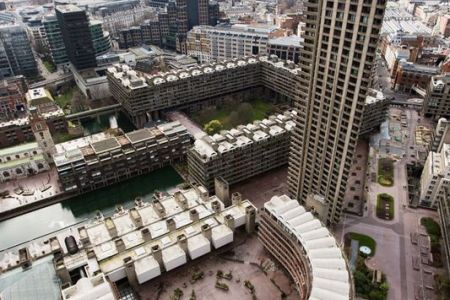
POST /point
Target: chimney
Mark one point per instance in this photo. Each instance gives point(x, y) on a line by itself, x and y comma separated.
point(229, 221)
point(130, 272)
point(171, 226)
point(193, 214)
point(112, 230)
point(157, 255)
point(135, 217)
point(236, 198)
point(250, 217)
point(181, 200)
point(182, 242)
point(120, 245)
point(146, 234)
point(207, 231)
point(215, 205)
point(159, 208)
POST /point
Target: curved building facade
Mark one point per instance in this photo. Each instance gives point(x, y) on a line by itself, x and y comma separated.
point(306, 249)
point(100, 39)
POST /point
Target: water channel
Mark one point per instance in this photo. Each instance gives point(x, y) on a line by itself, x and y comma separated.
point(69, 212)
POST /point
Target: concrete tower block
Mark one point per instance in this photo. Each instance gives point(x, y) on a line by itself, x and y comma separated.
point(229, 221)
point(193, 214)
point(182, 242)
point(171, 226)
point(215, 205)
point(159, 208)
point(181, 200)
point(207, 231)
point(131, 272)
point(120, 245)
point(222, 190)
point(236, 198)
point(146, 234)
point(250, 219)
point(62, 271)
point(157, 255)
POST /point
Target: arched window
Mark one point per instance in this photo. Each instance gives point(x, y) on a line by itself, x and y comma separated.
point(19, 171)
point(17, 156)
point(5, 174)
point(34, 152)
point(40, 166)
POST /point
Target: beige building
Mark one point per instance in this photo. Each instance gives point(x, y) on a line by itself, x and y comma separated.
point(306, 249)
point(375, 111)
point(241, 152)
point(437, 99)
point(334, 81)
point(435, 177)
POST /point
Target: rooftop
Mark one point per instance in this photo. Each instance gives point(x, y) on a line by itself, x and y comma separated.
point(331, 277)
point(68, 8)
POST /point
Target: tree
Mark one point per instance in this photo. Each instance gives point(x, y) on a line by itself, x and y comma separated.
point(214, 126)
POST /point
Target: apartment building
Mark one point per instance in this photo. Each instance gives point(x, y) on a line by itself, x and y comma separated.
point(437, 98)
point(242, 152)
point(333, 84)
point(375, 111)
point(306, 249)
point(100, 160)
point(441, 135)
point(435, 177)
point(12, 96)
point(409, 75)
point(225, 42)
point(21, 161)
point(143, 95)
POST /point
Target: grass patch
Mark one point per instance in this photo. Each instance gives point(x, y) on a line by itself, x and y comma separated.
point(431, 226)
point(386, 172)
point(385, 206)
point(364, 240)
point(63, 100)
point(49, 66)
point(233, 115)
point(63, 137)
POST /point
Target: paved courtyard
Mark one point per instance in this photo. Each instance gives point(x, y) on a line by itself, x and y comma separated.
point(245, 262)
point(34, 184)
point(395, 251)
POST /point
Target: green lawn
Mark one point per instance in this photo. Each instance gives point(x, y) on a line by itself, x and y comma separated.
point(63, 100)
point(386, 172)
point(49, 66)
point(431, 226)
point(364, 240)
point(382, 201)
point(230, 115)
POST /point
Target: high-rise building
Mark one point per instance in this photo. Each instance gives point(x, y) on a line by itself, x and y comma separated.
point(55, 40)
point(76, 34)
point(16, 55)
point(336, 59)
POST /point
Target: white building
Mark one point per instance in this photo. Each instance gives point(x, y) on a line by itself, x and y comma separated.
point(21, 161)
point(435, 177)
point(90, 288)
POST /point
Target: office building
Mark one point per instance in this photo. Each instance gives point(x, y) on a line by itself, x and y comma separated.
point(306, 249)
point(285, 48)
point(100, 39)
point(335, 61)
point(55, 40)
point(242, 152)
point(16, 55)
point(224, 42)
point(100, 160)
point(21, 161)
point(76, 34)
point(437, 98)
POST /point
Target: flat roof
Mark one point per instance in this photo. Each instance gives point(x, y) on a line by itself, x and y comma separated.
point(19, 149)
point(105, 145)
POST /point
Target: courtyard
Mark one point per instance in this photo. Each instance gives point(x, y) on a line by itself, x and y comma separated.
point(245, 261)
